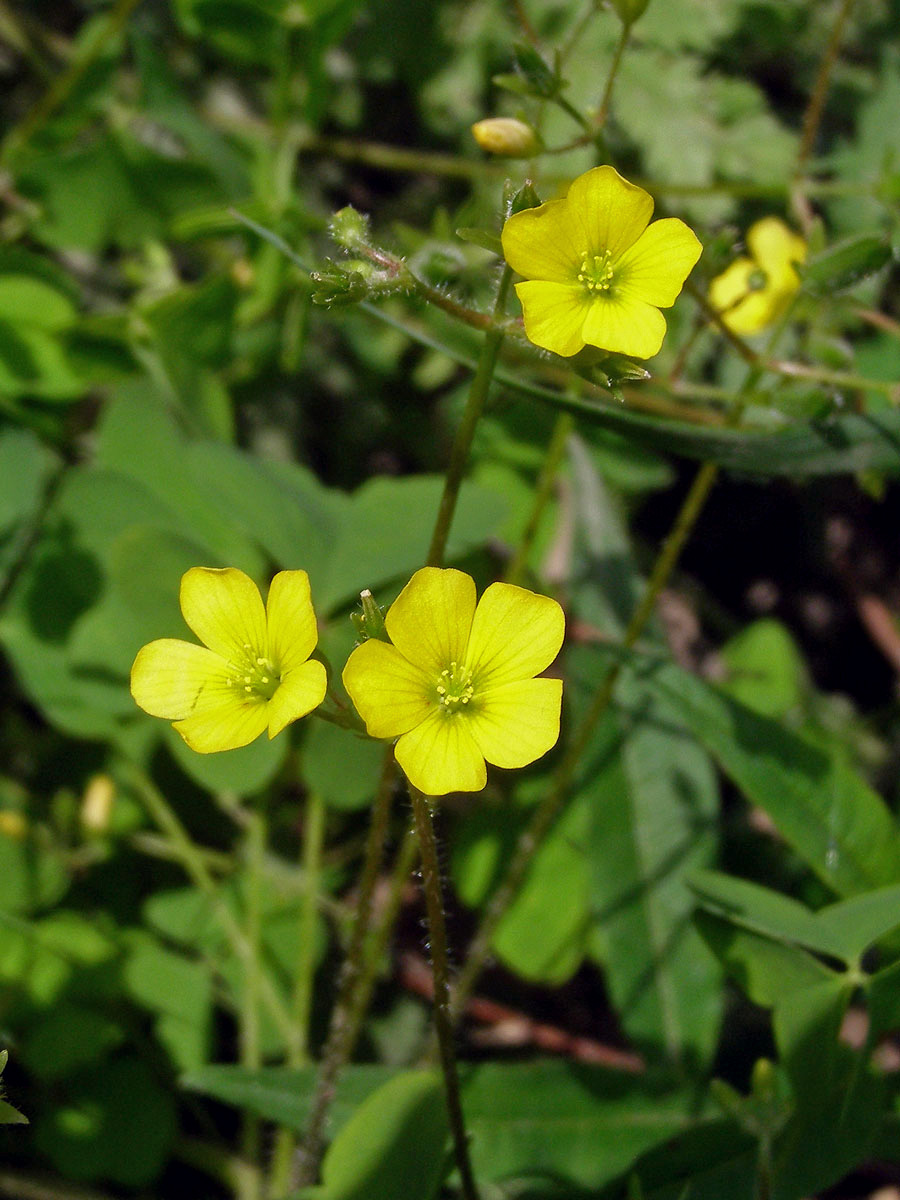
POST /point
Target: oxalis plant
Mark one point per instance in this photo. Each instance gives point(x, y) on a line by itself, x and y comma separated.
point(450, 684)
point(531, 699)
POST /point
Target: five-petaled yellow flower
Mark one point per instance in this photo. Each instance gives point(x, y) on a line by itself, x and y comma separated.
point(597, 273)
point(253, 671)
point(456, 684)
point(774, 251)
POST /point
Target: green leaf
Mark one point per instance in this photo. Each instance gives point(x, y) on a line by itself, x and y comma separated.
point(765, 668)
point(33, 873)
point(285, 1094)
point(763, 911)
point(10, 1115)
point(807, 1024)
point(766, 970)
point(245, 771)
point(856, 924)
point(653, 796)
point(67, 1038)
point(543, 934)
point(541, 79)
point(485, 238)
point(883, 1000)
point(26, 300)
point(393, 1145)
point(385, 530)
point(179, 991)
point(117, 1122)
point(845, 264)
point(565, 1121)
point(820, 805)
point(712, 1160)
point(342, 768)
point(24, 466)
point(834, 1090)
point(547, 1119)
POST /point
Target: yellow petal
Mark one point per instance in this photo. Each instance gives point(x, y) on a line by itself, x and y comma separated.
point(608, 212)
point(655, 267)
point(299, 692)
point(390, 693)
point(517, 724)
point(743, 308)
point(429, 622)
point(227, 727)
point(543, 243)
point(515, 634)
point(291, 621)
point(224, 609)
point(623, 324)
point(776, 249)
point(173, 679)
point(440, 756)
point(554, 315)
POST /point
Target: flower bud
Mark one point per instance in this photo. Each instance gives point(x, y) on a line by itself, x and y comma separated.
point(506, 136)
point(515, 200)
point(97, 804)
point(350, 229)
point(339, 285)
point(630, 10)
point(370, 622)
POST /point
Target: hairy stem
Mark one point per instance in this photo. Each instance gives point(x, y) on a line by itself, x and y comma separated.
point(437, 933)
point(459, 456)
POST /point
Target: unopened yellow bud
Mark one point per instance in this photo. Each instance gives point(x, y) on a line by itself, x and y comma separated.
point(97, 804)
point(506, 136)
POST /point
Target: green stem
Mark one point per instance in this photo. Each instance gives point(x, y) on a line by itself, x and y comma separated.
point(64, 84)
point(250, 1183)
point(377, 940)
point(566, 105)
point(603, 111)
point(459, 455)
point(194, 863)
point(313, 840)
point(437, 934)
point(812, 118)
point(339, 1042)
point(546, 482)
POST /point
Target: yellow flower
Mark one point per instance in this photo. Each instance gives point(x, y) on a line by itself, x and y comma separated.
point(251, 673)
point(597, 273)
point(456, 687)
point(774, 251)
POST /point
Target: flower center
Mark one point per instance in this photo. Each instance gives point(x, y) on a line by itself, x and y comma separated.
point(255, 677)
point(454, 688)
point(596, 274)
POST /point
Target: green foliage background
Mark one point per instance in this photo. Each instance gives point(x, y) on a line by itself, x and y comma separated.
point(728, 864)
